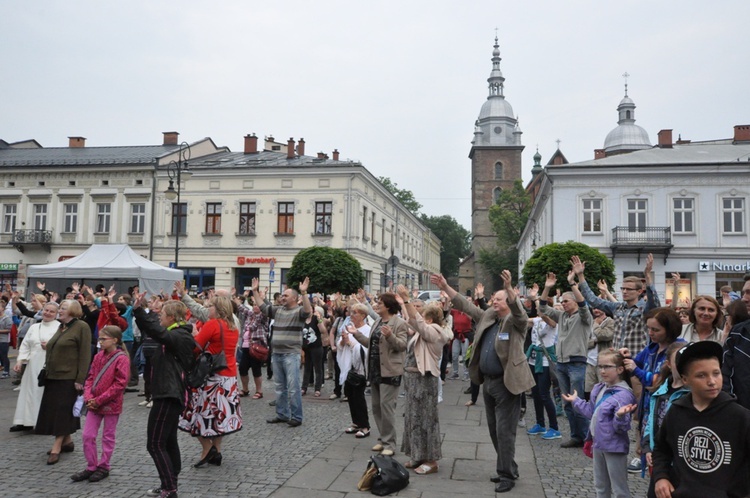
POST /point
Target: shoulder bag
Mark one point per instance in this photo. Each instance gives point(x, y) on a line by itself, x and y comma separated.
point(259, 351)
point(207, 364)
point(79, 408)
point(355, 379)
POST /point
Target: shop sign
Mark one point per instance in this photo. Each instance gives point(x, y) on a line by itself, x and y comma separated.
point(724, 267)
point(242, 260)
point(8, 266)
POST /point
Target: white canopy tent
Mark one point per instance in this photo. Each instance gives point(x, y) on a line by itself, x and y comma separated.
point(111, 262)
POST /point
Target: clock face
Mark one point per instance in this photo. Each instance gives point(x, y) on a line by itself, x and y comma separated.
point(498, 129)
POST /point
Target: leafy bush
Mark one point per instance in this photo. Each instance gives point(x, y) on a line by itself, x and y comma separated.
point(330, 270)
point(555, 258)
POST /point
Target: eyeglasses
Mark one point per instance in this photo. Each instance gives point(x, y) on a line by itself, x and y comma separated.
point(102, 339)
point(606, 367)
point(628, 289)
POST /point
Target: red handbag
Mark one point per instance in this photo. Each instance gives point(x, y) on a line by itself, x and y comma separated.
point(259, 351)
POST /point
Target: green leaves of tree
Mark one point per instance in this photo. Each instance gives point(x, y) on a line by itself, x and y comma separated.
point(330, 270)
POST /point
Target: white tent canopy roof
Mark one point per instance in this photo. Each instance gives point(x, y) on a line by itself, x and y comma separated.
point(111, 261)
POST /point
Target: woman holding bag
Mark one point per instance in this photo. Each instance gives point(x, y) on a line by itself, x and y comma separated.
point(213, 410)
point(352, 361)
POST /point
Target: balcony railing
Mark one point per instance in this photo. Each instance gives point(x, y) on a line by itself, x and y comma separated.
point(23, 238)
point(642, 240)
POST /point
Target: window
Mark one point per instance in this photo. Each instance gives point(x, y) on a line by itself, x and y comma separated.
point(683, 215)
point(393, 235)
point(496, 194)
point(199, 279)
point(138, 218)
point(498, 171)
point(592, 216)
point(734, 213)
point(323, 216)
point(40, 217)
point(372, 228)
point(213, 217)
point(9, 217)
point(637, 215)
point(247, 218)
point(286, 218)
point(382, 233)
point(103, 217)
point(364, 223)
point(179, 218)
point(70, 222)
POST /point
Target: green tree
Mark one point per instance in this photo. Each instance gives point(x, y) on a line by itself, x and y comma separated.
point(330, 270)
point(508, 217)
point(555, 258)
point(456, 241)
point(406, 197)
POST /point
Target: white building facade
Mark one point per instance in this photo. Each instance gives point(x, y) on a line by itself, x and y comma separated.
point(685, 202)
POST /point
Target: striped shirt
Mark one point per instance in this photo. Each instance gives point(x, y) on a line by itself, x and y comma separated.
point(287, 327)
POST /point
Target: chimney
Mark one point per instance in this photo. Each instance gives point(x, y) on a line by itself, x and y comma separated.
point(599, 154)
point(170, 137)
point(301, 147)
point(335, 154)
point(742, 133)
point(665, 139)
point(322, 155)
point(76, 142)
point(290, 148)
point(251, 144)
point(680, 141)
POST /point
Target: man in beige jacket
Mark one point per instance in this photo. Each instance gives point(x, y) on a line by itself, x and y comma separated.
point(498, 363)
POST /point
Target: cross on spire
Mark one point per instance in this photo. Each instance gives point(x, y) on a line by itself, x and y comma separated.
point(558, 143)
point(626, 75)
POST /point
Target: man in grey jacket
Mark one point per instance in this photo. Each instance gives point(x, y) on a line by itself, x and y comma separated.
point(573, 331)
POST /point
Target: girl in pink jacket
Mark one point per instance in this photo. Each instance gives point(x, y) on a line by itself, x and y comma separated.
point(103, 392)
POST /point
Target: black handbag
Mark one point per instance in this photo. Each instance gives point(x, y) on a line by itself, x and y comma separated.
point(207, 364)
point(42, 377)
point(355, 379)
point(390, 476)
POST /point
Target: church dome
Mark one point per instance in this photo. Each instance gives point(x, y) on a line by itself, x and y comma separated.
point(496, 107)
point(627, 136)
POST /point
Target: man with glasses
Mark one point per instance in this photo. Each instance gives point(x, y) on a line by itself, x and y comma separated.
point(630, 324)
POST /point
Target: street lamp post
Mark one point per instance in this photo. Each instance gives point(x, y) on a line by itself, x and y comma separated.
point(176, 170)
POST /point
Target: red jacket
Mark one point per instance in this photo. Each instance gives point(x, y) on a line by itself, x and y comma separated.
point(110, 389)
point(110, 316)
point(210, 334)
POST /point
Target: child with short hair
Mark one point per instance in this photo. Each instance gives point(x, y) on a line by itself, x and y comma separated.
point(103, 393)
point(703, 446)
point(609, 408)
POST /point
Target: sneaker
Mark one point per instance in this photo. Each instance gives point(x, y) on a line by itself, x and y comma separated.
point(572, 443)
point(17, 388)
point(149, 404)
point(521, 423)
point(453, 376)
point(635, 466)
point(143, 403)
point(153, 492)
point(537, 429)
point(552, 434)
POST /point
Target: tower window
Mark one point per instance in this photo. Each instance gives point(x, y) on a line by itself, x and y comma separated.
point(496, 194)
point(627, 114)
point(498, 171)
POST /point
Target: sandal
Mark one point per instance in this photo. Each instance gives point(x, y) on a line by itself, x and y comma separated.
point(257, 395)
point(351, 430)
point(469, 403)
point(425, 469)
point(362, 433)
point(411, 464)
point(317, 394)
point(244, 393)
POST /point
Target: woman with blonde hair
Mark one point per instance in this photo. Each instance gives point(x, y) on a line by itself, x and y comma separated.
point(66, 365)
point(213, 410)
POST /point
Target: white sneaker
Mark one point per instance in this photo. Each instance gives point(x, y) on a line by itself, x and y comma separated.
point(143, 403)
point(17, 388)
point(149, 404)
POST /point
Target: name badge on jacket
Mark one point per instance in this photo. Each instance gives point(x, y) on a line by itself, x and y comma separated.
point(503, 336)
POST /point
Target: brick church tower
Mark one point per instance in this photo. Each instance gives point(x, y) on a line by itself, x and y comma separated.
point(495, 164)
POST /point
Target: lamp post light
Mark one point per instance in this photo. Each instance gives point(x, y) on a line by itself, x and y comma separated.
point(176, 170)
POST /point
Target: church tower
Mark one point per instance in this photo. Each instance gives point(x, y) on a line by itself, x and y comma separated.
point(495, 164)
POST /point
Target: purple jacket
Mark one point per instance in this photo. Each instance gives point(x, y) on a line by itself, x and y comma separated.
point(611, 432)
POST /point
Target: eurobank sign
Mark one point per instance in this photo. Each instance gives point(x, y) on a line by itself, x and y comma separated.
point(722, 266)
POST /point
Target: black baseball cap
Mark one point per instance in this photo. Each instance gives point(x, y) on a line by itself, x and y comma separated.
point(698, 350)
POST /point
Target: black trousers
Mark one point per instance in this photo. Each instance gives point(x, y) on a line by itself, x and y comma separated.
point(357, 405)
point(336, 376)
point(313, 365)
point(161, 440)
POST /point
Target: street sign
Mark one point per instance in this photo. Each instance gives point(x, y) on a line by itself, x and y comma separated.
point(271, 276)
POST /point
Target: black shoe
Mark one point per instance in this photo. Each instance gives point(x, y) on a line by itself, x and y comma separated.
point(98, 475)
point(294, 423)
point(203, 461)
point(504, 486)
point(17, 381)
point(572, 443)
point(18, 428)
point(276, 420)
point(272, 403)
point(131, 389)
point(215, 460)
point(81, 476)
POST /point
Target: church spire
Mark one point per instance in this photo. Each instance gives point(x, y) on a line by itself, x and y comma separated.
point(496, 79)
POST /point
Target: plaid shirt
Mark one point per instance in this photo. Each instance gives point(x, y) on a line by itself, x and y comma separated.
point(255, 326)
point(630, 327)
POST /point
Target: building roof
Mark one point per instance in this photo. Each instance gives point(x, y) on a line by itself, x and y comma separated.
point(262, 159)
point(680, 155)
point(83, 156)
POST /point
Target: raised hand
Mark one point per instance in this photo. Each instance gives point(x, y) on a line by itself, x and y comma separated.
point(649, 268)
point(112, 292)
point(479, 290)
point(533, 292)
point(139, 300)
point(111, 289)
point(578, 266)
point(41, 286)
point(439, 281)
point(571, 277)
point(602, 286)
point(414, 293)
point(233, 291)
point(551, 281)
point(254, 284)
point(76, 287)
point(675, 278)
point(402, 292)
point(507, 280)
point(304, 285)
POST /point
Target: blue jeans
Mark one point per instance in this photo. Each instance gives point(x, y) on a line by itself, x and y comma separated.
point(286, 379)
point(572, 377)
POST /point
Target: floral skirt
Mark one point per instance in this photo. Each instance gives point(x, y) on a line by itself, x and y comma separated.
point(214, 409)
point(421, 440)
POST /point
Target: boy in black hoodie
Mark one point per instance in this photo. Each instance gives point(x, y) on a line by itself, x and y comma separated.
point(703, 446)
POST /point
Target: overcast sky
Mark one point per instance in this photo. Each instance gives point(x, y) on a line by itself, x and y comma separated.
point(396, 85)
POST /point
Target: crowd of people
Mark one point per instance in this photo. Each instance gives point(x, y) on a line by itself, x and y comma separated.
point(609, 365)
